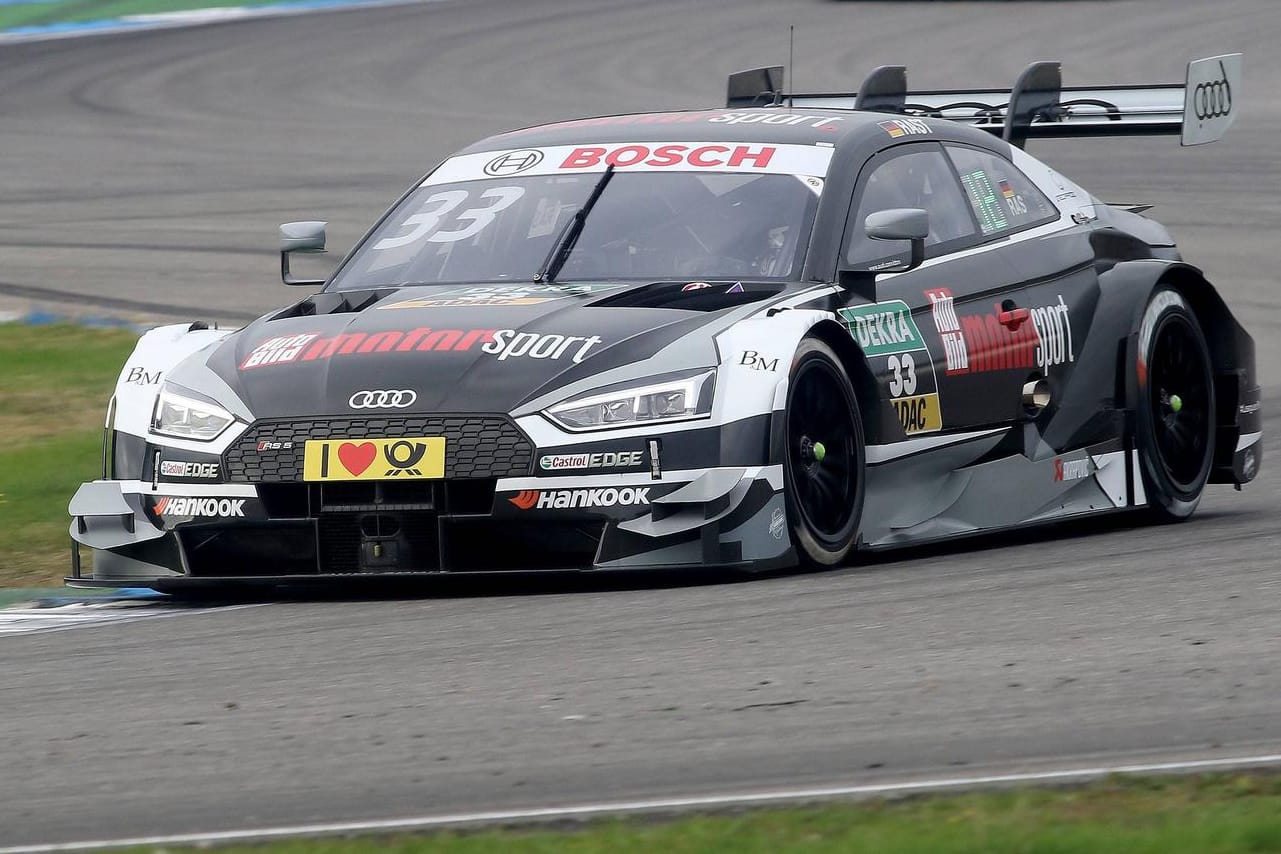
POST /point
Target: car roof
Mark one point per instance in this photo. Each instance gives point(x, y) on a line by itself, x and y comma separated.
point(783, 125)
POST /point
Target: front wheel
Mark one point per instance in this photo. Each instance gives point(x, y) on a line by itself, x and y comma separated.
point(1175, 406)
point(823, 458)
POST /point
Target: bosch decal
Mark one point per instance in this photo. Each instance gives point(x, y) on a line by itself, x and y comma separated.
point(513, 162)
point(217, 508)
point(560, 499)
point(676, 154)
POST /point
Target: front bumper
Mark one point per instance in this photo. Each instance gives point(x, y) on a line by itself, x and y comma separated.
point(279, 533)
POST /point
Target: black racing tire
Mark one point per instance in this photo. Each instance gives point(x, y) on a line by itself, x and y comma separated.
point(1176, 414)
point(823, 456)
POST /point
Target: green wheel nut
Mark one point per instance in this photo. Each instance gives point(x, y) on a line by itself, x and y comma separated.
point(1176, 402)
point(819, 451)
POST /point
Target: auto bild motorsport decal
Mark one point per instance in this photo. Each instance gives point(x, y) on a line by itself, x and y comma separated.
point(754, 157)
point(410, 458)
point(889, 336)
point(1002, 339)
point(503, 343)
point(559, 499)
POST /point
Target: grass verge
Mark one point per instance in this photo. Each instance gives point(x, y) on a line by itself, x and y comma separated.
point(1222, 813)
point(55, 382)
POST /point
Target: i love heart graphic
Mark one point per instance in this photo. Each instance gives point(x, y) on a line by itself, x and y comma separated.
point(356, 458)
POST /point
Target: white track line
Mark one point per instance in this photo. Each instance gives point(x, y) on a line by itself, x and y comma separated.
point(26, 621)
point(588, 810)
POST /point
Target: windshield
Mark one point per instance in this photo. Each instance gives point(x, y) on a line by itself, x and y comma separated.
point(645, 225)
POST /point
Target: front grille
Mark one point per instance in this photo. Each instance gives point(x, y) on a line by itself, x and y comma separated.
point(476, 446)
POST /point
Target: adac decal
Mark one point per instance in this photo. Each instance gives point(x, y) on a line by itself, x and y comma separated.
point(1072, 469)
point(500, 295)
point(182, 468)
point(408, 458)
point(1001, 339)
point(503, 343)
point(603, 460)
point(897, 352)
point(560, 499)
point(218, 508)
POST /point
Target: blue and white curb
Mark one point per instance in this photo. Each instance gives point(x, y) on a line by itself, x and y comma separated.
point(60, 613)
point(38, 317)
point(189, 18)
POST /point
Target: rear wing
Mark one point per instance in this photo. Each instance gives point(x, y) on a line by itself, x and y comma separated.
point(1199, 110)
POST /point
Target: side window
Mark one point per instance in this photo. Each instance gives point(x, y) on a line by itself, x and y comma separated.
point(1003, 198)
point(912, 177)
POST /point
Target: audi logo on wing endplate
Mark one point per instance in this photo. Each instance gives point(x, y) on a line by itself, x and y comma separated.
point(383, 399)
point(1213, 100)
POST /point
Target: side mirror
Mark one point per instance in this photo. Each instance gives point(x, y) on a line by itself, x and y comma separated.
point(300, 237)
point(900, 224)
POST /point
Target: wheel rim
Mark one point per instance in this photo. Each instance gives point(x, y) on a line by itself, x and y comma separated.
point(821, 452)
point(1179, 397)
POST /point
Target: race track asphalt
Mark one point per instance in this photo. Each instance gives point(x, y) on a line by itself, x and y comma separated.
point(146, 173)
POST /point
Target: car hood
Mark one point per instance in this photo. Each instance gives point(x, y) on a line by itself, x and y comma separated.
point(448, 353)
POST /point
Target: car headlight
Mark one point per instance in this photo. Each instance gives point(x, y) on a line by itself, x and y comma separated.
point(186, 417)
point(661, 400)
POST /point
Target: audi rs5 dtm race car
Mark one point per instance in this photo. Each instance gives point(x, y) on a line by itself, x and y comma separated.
point(740, 338)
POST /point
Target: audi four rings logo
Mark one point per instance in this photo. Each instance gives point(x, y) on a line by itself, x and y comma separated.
point(1213, 100)
point(383, 399)
point(513, 162)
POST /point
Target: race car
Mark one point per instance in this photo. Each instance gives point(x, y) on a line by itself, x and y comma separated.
point(772, 334)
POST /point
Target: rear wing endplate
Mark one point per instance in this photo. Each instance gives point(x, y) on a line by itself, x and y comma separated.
point(1199, 110)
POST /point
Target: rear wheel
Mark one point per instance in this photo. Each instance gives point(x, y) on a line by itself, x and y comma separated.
point(824, 458)
point(1175, 407)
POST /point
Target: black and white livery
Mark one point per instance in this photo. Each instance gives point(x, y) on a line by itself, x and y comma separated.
point(750, 337)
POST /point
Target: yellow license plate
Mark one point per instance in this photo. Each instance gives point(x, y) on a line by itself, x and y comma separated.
point(408, 458)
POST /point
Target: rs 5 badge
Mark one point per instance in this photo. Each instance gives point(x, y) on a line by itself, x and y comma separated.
point(410, 458)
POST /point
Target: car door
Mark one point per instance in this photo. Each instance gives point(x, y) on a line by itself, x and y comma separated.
point(999, 302)
point(894, 330)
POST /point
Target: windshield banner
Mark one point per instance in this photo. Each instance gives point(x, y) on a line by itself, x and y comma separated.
point(748, 157)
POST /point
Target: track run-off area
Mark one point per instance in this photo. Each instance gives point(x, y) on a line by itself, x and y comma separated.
point(145, 175)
